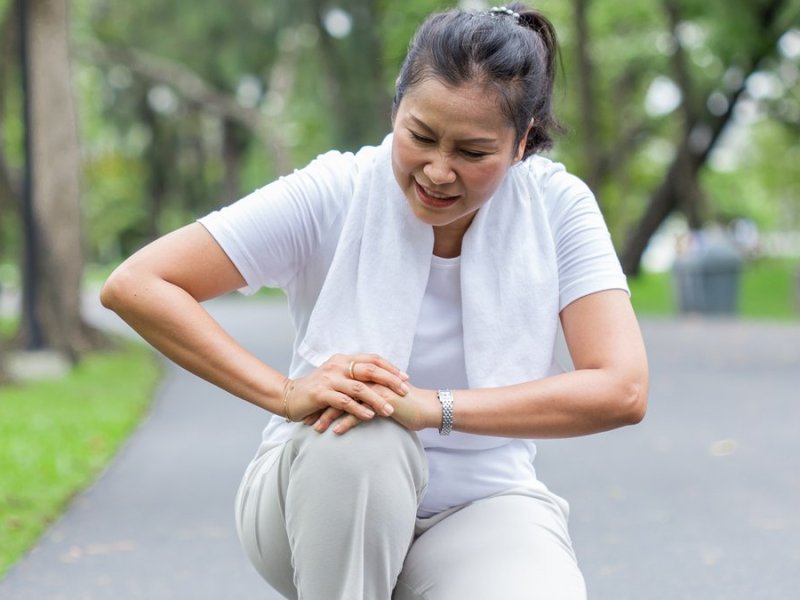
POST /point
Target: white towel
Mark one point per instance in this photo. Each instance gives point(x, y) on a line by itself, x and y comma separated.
point(371, 298)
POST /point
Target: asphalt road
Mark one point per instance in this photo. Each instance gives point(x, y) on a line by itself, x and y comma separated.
point(700, 501)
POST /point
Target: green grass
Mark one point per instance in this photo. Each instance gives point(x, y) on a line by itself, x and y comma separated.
point(766, 291)
point(7, 327)
point(651, 294)
point(56, 437)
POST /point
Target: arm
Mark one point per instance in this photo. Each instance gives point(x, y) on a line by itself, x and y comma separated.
point(158, 292)
point(607, 389)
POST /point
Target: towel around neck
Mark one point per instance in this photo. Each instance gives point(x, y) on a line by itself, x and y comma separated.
point(371, 298)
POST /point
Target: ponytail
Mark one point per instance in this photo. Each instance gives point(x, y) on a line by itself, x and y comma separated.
point(541, 25)
point(544, 121)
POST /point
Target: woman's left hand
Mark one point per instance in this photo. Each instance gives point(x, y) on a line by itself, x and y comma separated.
point(416, 410)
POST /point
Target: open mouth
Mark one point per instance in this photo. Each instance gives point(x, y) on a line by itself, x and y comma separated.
point(433, 199)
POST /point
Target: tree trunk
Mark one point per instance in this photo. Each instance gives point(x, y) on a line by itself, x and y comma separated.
point(234, 145)
point(4, 376)
point(680, 188)
point(55, 185)
point(663, 202)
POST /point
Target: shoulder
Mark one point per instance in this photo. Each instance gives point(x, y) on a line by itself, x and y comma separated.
point(560, 193)
point(331, 167)
point(552, 178)
point(361, 158)
point(335, 170)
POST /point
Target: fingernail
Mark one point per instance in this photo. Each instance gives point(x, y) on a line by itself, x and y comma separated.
point(370, 414)
point(318, 426)
point(404, 375)
point(388, 408)
point(405, 389)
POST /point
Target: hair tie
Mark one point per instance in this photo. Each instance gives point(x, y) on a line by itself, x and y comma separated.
point(502, 10)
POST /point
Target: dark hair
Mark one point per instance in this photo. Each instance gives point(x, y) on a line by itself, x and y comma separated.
point(514, 57)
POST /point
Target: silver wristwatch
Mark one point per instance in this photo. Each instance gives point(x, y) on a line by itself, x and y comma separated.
point(446, 399)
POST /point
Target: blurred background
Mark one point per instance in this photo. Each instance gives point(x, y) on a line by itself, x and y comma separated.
point(682, 115)
point(120, 121)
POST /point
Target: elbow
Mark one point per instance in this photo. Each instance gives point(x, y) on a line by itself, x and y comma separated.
point(118, 289)
point(107, 293)
point(634, 403)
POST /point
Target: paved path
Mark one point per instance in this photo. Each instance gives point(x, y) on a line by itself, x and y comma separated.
point(701, 501)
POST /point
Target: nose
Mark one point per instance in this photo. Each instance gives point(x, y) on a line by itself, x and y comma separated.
point(438, 170)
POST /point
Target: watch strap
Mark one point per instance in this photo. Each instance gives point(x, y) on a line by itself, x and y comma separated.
point(446, 400)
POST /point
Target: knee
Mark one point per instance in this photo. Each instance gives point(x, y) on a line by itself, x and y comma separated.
point(377, 449)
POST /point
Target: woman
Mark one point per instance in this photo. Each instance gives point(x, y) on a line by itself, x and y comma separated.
point(426, 278)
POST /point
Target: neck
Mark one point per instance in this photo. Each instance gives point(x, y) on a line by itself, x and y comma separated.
point(447, 238)
point(446, 250)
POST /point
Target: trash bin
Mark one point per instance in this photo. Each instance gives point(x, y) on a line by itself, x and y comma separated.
point(707, 278)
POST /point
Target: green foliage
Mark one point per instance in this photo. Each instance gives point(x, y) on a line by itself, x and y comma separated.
point(114, 208)
point(630, 47)
point(764, 186)
point(154, 160)
point(652, 294)
point(56, 436)
point(397, 27)
point(220, 40)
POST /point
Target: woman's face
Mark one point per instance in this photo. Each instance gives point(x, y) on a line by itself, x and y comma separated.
point(451, 149)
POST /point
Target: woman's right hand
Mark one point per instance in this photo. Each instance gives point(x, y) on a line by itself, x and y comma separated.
point(339, 385)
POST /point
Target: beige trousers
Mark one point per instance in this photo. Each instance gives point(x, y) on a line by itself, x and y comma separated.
point(326, 517)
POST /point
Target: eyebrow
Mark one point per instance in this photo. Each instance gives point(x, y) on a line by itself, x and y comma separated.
point(477, 140)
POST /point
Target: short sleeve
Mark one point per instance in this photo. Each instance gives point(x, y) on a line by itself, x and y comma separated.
point(587, 261)
point(269, 234)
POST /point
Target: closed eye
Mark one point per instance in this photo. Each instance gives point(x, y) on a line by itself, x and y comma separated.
point(420, 138)
point(469, 154)
point(473, 155)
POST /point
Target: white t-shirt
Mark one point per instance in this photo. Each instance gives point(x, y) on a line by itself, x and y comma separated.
point(461, 466)
point(285, 234)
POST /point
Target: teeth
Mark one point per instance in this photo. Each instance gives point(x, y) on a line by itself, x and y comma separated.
point(432, 195)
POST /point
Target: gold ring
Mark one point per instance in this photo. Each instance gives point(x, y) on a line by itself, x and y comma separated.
point(350, 369)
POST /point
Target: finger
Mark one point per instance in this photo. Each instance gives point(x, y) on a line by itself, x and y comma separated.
point(348, 403)
point(381, 362)
point(365, 394)
point(327, 416)
point(365, 371)
point(345, 424)
point(312, 418)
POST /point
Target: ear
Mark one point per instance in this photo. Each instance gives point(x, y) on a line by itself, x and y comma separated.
point(521, 146)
